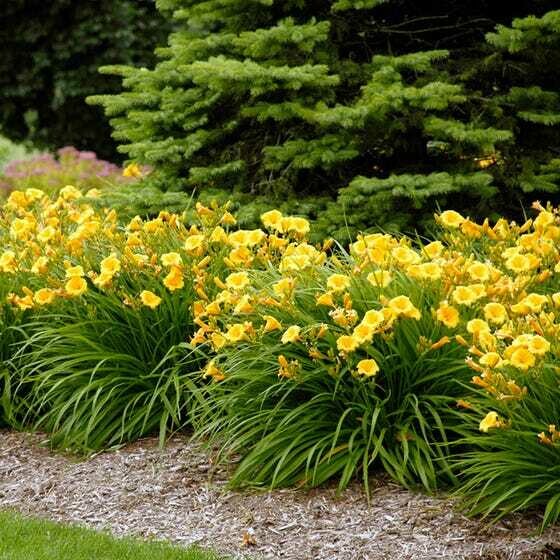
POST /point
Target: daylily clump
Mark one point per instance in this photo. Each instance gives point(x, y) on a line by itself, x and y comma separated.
point(498, 305)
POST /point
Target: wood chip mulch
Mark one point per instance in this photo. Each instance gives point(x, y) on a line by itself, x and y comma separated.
point(177, 494)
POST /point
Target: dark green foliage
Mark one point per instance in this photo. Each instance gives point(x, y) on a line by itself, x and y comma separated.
point(391, 106)
point(50, 55)
point(97, 373)
point(529, 96)
point(7, 339)
point(393, 197)
point(96, 377)
point(142, 199)
point(10, 335)
point(148, 199)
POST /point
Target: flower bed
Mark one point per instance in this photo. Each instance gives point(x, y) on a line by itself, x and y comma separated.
point(436, 362)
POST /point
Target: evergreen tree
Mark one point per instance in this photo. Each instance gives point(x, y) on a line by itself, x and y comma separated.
point(527, 59)
point(384, 105)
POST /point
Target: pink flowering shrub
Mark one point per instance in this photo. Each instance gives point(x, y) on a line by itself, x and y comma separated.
point(69, 166)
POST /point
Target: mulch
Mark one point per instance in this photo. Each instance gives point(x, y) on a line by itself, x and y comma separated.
point(178, 494)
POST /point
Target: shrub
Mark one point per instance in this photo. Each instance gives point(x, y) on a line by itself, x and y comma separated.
point(297, 99)
point(51, 52)
point(148, 197)
point(305, 412)
point(9, 151)
point(101, 373)
point(510, 462)
point(143, 198)
point(70, 167)
point(95, 315)
point(514, 466)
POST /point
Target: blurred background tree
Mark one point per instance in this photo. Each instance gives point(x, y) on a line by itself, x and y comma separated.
point(51, 51)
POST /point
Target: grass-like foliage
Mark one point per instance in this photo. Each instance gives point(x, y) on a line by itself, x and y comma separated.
point(516, 467)
point(10, 336)
point(90, 352)
point(424, 360)
point(97, 314)
point(104, 373)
